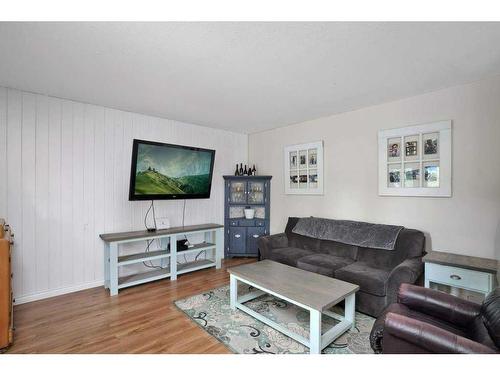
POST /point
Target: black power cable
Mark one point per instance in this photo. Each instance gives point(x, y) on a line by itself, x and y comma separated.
point(149, 242)
point(152, 206)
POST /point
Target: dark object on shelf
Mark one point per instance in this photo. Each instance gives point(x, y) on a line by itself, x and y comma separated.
point(377, 272)
point(241, 169)
point(245, 172)
point(181, 245)
point(6, 299)
point(254, 171)
point(237, 171)
point(240, 234)
point(427, 321)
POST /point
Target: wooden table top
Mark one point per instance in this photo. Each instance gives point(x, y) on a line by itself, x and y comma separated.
point(462, 261)
point(307, 288)
point(124, 236)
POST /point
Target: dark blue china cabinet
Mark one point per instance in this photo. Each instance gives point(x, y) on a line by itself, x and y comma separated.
point(241, 234)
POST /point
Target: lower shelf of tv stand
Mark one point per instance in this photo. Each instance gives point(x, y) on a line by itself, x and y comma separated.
point(195, 265)
point(163, 273)
point(145, 277)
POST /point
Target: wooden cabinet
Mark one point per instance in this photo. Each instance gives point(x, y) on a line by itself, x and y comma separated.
point(241, 234)
point(6, 305)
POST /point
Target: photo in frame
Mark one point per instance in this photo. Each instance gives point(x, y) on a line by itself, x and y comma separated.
point(293, 160)
point(412, 175)
point(412, 147)
point(431, 174)
point(394, 149)
point(431, 146)
point(312, 158)
point(394, 176)
point(304, 168)
point(313, 178)
point(302, 158)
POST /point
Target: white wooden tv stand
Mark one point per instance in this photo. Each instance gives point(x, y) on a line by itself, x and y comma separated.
point(213, 245)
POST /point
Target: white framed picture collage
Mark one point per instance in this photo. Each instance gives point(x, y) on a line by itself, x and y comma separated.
point(304, 168)
point(416, 160)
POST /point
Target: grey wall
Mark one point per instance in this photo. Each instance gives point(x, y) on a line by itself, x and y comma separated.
point(466, 223)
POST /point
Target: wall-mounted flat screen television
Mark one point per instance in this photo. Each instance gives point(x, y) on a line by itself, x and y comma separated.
point(165, 171)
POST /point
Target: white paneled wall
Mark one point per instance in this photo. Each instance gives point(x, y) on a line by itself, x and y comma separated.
point(64, 178)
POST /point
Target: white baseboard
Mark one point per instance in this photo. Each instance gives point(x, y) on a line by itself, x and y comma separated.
point(56, 292)
point(59, 291)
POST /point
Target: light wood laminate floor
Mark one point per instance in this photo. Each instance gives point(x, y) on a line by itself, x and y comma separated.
point(141, 319)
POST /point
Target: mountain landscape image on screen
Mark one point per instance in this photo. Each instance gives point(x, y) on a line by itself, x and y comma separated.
point(171, 170)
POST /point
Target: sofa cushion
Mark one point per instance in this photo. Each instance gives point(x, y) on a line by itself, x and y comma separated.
point(298, 241)
point(289, 255)
point(303, 242)
point(338, 249)
point(410, 244)
point(370, 280)
point(323, 264)
point(378, 258)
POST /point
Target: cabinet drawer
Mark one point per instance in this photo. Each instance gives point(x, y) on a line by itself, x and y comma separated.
point(260, 223)
point(247, 223)
point(458, 277)
point(241, 223)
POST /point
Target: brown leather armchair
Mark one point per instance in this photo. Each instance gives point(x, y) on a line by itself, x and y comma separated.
point(427, 321)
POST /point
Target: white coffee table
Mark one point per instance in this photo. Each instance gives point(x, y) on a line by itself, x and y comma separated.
point(313, 292)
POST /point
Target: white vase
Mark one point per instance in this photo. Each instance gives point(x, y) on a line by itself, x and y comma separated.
point(249, 213)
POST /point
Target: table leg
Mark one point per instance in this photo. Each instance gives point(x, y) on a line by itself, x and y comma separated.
point(113, 269)
point(233, 291)
point(350, 313)
point(163, 246)
point(106, 265)
point(427, 283)
point(173, 257)
point(219, 247)
point(315, 332)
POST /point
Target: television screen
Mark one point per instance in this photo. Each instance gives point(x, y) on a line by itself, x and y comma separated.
point(165, 171)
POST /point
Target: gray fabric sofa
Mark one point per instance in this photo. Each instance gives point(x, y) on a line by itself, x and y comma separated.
point(379, 273)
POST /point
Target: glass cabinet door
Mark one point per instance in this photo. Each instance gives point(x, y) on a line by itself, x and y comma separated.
point(237, 192)
point(256, 191)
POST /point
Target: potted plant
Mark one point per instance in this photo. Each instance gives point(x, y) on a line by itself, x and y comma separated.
point(249, 212)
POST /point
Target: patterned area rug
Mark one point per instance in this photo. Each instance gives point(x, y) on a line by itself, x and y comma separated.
point(243, 334)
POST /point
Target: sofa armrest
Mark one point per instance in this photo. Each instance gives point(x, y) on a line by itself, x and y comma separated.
point(440, 305)
point(425, 337)
point(267, 243)
point(406, 272)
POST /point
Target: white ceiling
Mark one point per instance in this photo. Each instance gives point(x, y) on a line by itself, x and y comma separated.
point(244, 77)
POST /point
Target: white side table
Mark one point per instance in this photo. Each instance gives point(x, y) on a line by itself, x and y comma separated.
point(460, 272)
